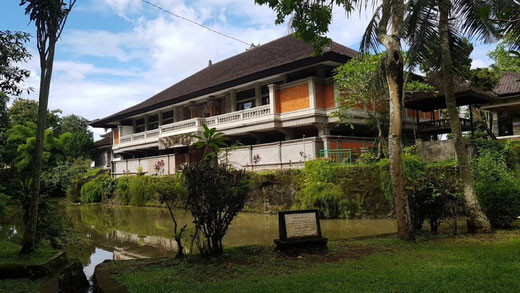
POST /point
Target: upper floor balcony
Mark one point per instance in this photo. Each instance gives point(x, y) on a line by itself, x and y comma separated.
point(220, 122)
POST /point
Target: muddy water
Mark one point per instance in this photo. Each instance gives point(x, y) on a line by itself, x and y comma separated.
point(124, 232)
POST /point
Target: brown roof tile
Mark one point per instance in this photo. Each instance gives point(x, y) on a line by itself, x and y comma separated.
point(509, 84)
point(268, 59)
point(105, 141)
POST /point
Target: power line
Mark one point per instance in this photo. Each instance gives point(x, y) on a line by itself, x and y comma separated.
point(215, 31)
point(195, 23)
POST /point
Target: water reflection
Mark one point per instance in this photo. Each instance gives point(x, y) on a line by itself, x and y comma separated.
point(124, 232)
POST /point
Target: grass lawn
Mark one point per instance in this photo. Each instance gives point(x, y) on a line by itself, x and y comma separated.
point(9, 255)
point(481, 263)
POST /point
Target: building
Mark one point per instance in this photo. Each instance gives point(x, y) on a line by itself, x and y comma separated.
point(101, 152)
point(505, 118)
point(276, 99)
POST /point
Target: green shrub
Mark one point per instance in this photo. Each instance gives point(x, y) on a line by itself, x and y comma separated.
point(433, 190)
point(216, 193)
point(496, 183)
point(500, 201)
point(320, 189)
point(342, 190)
point(138, 190)
point(121, 190)
point(3, 203)
point(92, 191)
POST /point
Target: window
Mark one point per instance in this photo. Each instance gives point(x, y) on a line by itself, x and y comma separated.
point(153, 122)
point(245, 105)
point(245, 99)
point(505, 124)
point(167, 117)
point(139, 125)
point(265, 95)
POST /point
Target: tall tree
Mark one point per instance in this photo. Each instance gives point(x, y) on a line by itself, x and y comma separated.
point(432, 26)
point(504, 59)
point(310, 22)
point(50, 17)
point(25, 110)
point(361, 82)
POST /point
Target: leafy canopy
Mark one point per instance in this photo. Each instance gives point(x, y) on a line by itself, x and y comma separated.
point(12, 53)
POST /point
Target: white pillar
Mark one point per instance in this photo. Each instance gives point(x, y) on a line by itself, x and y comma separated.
point(272, 97)
point(312, 94)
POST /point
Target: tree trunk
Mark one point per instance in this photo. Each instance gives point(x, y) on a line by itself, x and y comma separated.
point(380, 138)
point(477, 221)
point(394, 75)
point(29, 236)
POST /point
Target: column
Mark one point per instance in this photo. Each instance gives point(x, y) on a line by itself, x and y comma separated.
point(212, 104)
point(312, 93)
point(177, 114)
point(272, 97)
point(193, 110)
point(258, 96)
point(232, 100)
point(324, 132)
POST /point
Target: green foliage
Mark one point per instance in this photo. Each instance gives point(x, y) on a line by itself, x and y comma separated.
point(216, 194)
point(211, 141)
point(321, 190)
point(3, 203)
point(310, 20)
point(25, 110)
point(496, 184)
point(500, 201)
point(415, 86)
point(75, 124)
point(504, 60)
point(484, 78)
point(433, 190)
point(20, 147)
point(138, 190)
point(64, 178)
point(98, 188)
point(338, 190)
point(121, 190)
point(13, 52)
point(91, 191)
point(171, 189)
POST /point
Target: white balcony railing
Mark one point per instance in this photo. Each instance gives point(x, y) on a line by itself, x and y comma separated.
point(195, 124)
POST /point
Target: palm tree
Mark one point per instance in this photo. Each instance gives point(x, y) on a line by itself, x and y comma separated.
point(506, 15)
point(437, 25)
point(211, 141)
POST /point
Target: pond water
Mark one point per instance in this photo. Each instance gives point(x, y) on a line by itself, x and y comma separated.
point(124, 232)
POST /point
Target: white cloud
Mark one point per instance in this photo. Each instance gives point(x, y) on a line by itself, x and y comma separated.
point(99, 72)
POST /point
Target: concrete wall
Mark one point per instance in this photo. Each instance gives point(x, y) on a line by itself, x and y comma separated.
point(278, 155)
point(439, 150)
point(131, 166)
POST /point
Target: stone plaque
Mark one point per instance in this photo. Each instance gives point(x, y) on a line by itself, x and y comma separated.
point(301, 225)
point(300, 230)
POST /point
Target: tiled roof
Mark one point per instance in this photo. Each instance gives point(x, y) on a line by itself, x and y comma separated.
point(271, 58)
point(105, 141)
point(509, 84)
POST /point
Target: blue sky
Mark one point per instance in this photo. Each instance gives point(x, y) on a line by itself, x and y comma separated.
point(116, 53)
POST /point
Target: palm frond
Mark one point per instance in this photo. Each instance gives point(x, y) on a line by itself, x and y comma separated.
point(471, 22)
point(369, 42)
